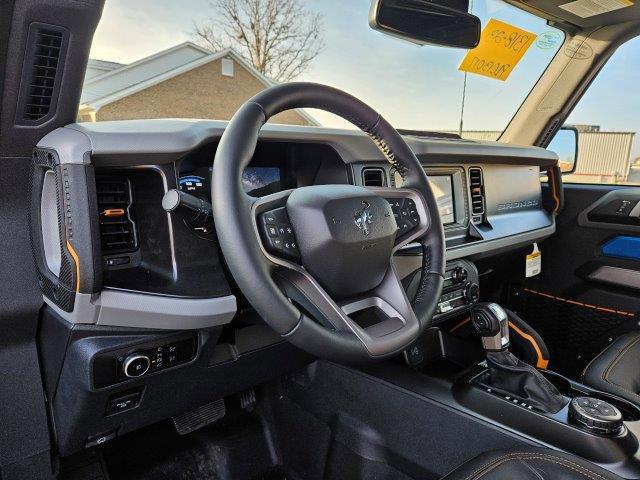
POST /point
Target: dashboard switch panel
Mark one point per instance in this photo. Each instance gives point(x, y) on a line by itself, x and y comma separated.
point(111, 368)
point(460, 290)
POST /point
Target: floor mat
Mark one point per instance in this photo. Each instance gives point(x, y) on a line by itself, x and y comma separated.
point(574, 332)
point(236, 448)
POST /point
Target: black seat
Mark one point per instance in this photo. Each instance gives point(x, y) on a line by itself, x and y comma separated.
point(617, 369)
point(529, 464)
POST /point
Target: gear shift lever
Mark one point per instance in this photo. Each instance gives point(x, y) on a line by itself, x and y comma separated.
point(491, 322)
point(508, 374)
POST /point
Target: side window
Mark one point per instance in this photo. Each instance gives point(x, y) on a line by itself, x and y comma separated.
point(607, 119)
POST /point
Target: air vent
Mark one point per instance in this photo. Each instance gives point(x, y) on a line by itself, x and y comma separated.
point(117, 229)
point(373, 177)
point(42, 72)
point(476, 188)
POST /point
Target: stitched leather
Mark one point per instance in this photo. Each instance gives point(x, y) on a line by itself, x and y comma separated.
point(615, 369)
point(529, 464)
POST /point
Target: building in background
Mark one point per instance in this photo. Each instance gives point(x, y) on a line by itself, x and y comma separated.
point(603, 157)
point(185, 81)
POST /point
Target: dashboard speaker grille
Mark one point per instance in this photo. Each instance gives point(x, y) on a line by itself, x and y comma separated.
point(476, 188)
point(373, 177)
point(117, 228)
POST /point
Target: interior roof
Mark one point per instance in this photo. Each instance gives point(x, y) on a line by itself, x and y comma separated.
point(552, 10)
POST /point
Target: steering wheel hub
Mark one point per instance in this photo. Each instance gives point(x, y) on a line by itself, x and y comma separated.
point(345, 235)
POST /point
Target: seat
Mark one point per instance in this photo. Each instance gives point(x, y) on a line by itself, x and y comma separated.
point(616, 369)
point(529, 464)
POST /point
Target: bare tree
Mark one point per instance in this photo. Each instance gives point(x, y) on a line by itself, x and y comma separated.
point(279, 38)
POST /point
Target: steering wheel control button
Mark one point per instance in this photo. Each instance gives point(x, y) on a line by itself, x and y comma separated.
point(277, 234)
point(595, 416)
point(136, 365)
point(406, 214)
point(272, 230)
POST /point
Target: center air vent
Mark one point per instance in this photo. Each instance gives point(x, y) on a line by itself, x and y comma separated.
point(41, 72)
point(476, 188)
point(373, 177)
point(117, 229)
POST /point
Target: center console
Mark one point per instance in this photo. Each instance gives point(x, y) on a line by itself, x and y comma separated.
point(594, 425)
point(480, 379)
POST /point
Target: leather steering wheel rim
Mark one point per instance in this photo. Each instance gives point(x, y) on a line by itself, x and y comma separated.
point(234, 214)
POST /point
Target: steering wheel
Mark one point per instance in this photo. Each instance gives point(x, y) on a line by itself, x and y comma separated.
point(316, 261)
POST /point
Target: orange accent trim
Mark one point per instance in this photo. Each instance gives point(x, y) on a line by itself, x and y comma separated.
point(77, 262)
point(461, 324)
point(542, 362)
point(114, 212)
point(554, 193)
point(580, 304)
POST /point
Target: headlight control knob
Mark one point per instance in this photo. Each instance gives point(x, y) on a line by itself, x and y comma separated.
point(596, 416)
point(136, 365)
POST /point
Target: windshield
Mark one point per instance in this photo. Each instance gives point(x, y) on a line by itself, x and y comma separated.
point(204, 58)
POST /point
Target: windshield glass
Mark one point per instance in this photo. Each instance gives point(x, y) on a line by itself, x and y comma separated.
point(204, 58)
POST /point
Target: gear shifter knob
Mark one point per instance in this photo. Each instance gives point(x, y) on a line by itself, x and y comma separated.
point(491, 322)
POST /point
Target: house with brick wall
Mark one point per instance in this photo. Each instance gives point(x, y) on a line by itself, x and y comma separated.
point(184, 81)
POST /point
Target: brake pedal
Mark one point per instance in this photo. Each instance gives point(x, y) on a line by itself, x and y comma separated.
point(200, 417)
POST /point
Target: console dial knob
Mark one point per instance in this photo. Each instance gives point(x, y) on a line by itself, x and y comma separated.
point(136, 365)
point(472, 292)
point(460, 275)
point(596, 416)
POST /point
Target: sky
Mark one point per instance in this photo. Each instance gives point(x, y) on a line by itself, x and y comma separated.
point(415, 87)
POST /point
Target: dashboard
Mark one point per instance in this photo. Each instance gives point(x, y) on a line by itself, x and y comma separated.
point(138, 301)
point(489, 197)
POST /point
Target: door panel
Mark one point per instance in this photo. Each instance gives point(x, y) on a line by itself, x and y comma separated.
point(587, 294)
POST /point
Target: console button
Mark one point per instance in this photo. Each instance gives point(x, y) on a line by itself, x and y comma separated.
point(123, 403)
point(471, 292)
point(115, 261)
point(459, 275)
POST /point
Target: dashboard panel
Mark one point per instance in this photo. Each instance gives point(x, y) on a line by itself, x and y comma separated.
point(150, 309)
point(489, 198)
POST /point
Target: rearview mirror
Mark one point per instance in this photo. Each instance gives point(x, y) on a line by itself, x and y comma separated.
point(565, 144)
point(426, 22)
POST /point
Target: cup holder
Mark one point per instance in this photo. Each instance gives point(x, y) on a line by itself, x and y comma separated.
point(571, 389)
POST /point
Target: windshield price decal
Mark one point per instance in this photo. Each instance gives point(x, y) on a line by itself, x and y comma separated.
point(500, 49)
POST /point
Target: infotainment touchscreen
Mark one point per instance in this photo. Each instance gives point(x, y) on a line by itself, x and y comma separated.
point(442, 186)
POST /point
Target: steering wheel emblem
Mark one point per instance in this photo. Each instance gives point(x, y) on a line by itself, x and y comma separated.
point(363, 217)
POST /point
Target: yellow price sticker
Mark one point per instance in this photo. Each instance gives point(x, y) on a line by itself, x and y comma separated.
point(500, 49)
